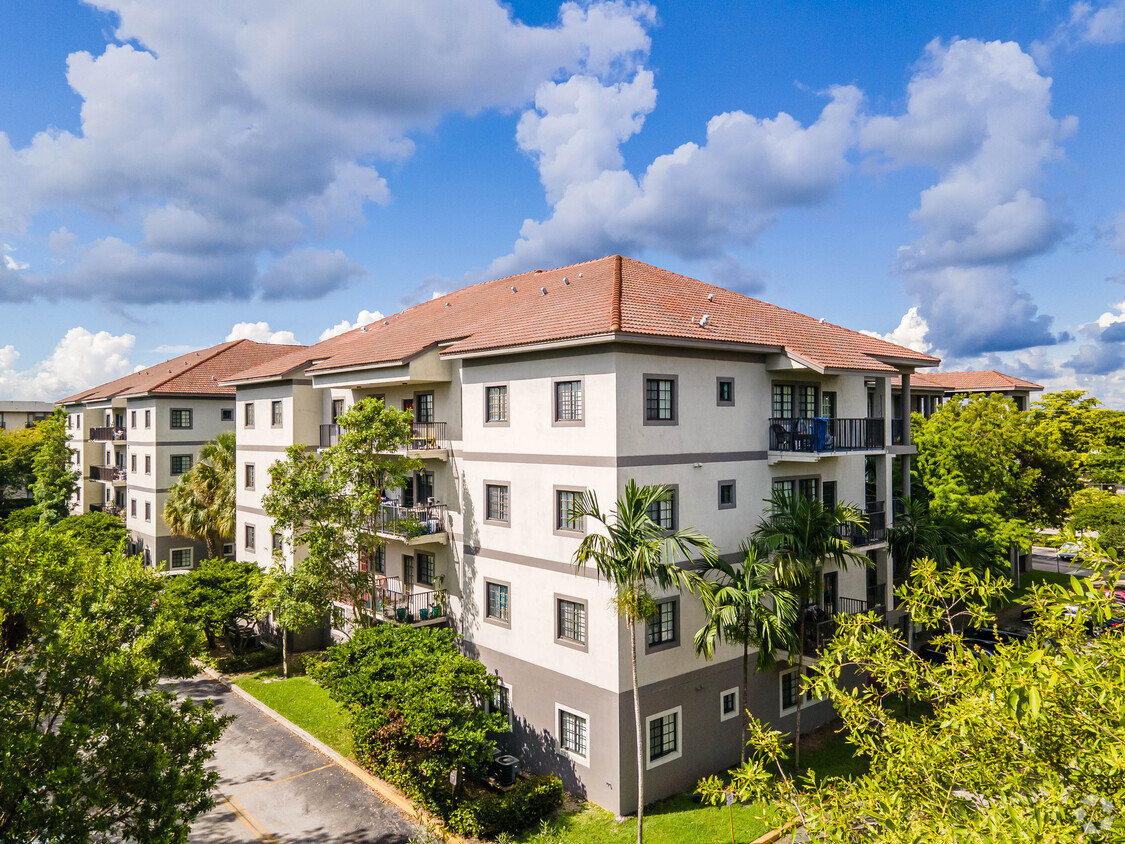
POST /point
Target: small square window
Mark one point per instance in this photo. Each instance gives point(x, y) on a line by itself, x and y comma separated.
point(571, 618)
point(660, 400)
point(568, 401)
point(248, 470)
point(180, 463)
point(181, 558)
point(572, 733)
point(498, 608)
point(663, 626)
point(728, 704)
point(496, 404)
point(179, 418)
point(496, 504)
point(726, 495)
point(226, 414)
point(228, 550)
point(148, 419)
point(248, 415)
point(275, 414)
point(725, 392)
point(251, 537)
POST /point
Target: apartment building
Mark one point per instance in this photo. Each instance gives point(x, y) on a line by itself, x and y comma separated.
point(930, 390)
point(529, 390)
point(135, 436)
point(23, 414)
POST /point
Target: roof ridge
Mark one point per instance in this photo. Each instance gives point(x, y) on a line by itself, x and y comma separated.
point(615, 301)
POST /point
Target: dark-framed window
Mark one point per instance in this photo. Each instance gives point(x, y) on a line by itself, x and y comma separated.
point(663, 736)
point(572, 732)
point(663, 511)
point(424, 483)
point(179, 417)
point(132, 419)
point(380, 559)
point(724, 392)
point(249, 472)
point(496, 404)
point(248, 415)
point(180, 463)
point(502, 701)
point(794, 401)
point(727, 499)
point(180, 558)
point(226, 414)
point(423, 407)
point(568, 401)
point(497, 602)
point(828, 404)
point(251, 536)
point(804, 487)
point(148, 418)
point(828, 491)
point(278, 543)
point(570, 620)
point(497, 505)
point(663, 625)
point(730, 702)
point(565, 520)
point(791, 689)
point(275, 414)
point(425, 563)
point(660, 400)
point(148, 511)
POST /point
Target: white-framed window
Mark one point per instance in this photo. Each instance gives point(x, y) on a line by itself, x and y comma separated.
point(496, 404)
point(133, 507)
point(148, 419)
point(664, 732)
point(728, 704)
point(132, 419)
point(228, 550)
point(573, 734)
point(179, 417)
point(791, 690)
point(133, 463)
point(180, 558)
point(148, 464)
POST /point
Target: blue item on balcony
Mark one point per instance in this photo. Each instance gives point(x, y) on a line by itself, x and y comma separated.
point(820, 433)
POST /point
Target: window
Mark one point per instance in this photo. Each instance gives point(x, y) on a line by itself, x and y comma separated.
point(132, 463)
point(425, 484)
point(804, 487)
point(496, 404)
point(132, 419)
point(664, 737)
point(728, 704)
point(226, 414)
point(337, 409)
point(180, 463)
point(570, 620)
point(249, 472)
point(791, 689)
point(568, 401)
point(148, 419)
point(572, 733)
point(425, 568)
point(829, 489)
point(179, 417)
point(663, 511)
point(498, 608)
point(275, 414)
point(228, 550)
point(660, 400)
point(828, 404)
point(724, 388)
point(496, 503)
point(278, 543)
point(380, 559)
point(133, 508)
point(565, 519)
point(251, 536)
point(424, 407)
point(794, 400)
point(502, 701)
point(181, 558)
point(148, 464)
point(248, 415)
point(726, 495)
point(663, 626)
point(148, 511)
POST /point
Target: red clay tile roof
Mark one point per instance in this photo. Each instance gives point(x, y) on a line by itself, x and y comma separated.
point(608, 296)
point(981, 381)
point(196, 373)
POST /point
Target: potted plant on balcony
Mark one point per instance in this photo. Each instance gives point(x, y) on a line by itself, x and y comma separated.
point(439, 597)
point(412, 528)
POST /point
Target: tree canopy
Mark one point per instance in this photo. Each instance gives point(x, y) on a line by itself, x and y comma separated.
point(18, 447)
point(90, 746)
point(217, 594)
point(55, 478)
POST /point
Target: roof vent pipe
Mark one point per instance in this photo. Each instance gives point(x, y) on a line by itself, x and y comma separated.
point(580, 275)
point(514, 289)
point(703, 320)
point(566, 280)
point(710, 297)
point(543, 290)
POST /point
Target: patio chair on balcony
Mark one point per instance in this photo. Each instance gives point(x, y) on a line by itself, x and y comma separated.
point(782, 439)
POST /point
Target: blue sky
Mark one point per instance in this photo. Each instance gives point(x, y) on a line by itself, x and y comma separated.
point(171, 175)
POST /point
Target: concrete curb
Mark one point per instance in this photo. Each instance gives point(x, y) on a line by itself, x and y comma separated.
point(386, 792)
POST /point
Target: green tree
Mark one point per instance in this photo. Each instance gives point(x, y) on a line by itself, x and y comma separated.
point(55, 480)
point(1093, 509)
point(415, 704)
point(801, 535)
point(1024, 745)
point(90, 746)
point(217, 594)
point(920, 532)
point(295, 599)
point(635, 555)
point(102, 531)
point(748, 607)
point(201, 505)
point(18, 448)
point(328, 502)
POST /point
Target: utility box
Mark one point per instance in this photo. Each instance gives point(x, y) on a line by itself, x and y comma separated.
point(507, 768)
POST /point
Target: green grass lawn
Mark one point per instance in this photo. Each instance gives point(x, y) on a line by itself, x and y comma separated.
point(1029, 580)
point(304, 703)
point(677, 820)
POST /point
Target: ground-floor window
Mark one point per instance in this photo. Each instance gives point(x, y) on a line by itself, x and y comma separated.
point(664, 739)
point(572, 734)
point(181, 558)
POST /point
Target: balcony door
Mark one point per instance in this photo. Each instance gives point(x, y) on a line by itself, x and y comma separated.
point(407, 575)
point(831, 591)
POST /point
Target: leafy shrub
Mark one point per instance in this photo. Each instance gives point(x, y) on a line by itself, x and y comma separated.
point(525, 804)
point(249, 662)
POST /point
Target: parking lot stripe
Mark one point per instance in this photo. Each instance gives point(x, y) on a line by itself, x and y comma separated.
point(285, 779)
point(244, 816)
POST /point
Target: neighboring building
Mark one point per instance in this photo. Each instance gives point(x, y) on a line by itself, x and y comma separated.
point(930, 390)
point(135, 436)
point(530, 390)
point(23, 414)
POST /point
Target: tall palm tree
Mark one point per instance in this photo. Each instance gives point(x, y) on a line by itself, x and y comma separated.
point(801, 535)
point(748, 607)
point(201, 505)
point(635, 554)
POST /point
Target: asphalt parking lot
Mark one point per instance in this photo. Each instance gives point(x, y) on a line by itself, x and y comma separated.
point(275, 788)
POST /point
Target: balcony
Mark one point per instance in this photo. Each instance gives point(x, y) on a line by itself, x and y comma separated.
point(107, 435)
point(821, 623)
point(809, 439)
point(420, 608)
point(427, 439)
point(897, 429)
point(109, 474)
point(876, 530)
point(422, 525)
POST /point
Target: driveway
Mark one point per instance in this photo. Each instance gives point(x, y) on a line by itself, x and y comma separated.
point(274, 788)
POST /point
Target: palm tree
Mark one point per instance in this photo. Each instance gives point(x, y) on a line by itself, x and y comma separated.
point(801, 534)
point(201, 505)
point(634, 554)
point(747, 606)
point(920, 532)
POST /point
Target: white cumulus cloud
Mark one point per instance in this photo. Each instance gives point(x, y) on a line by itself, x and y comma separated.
point(260, 332)
point(80, 360)
point(910, 332)
point(365, 317)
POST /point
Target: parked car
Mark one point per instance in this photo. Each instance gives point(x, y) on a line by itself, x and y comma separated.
point(1069, 551)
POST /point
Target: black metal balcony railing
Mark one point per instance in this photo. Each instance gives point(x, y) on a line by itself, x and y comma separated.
point(109, 434)
point(821, 623)
point(876, 530)
point(408, 607)
point(820, 434)
point(424, 436)
point(411, 522)
point(107, 473)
